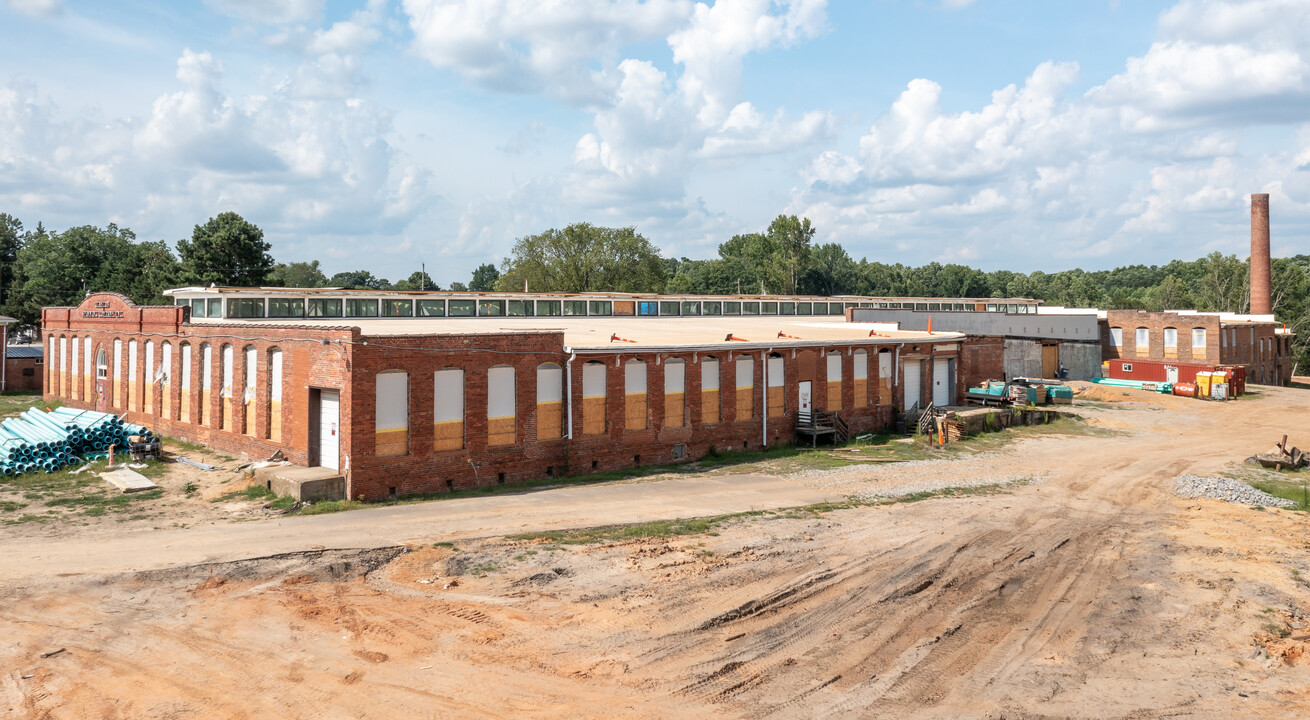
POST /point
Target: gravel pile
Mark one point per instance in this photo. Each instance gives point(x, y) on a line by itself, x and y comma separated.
point(1233, 491)
point(876, 481)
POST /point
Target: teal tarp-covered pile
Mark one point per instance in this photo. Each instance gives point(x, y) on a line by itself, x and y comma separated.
point(47, 441)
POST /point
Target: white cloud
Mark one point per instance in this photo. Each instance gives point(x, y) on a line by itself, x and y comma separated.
point(350, 36)
point(36, 8)
point(564, 50)
point(268, 11)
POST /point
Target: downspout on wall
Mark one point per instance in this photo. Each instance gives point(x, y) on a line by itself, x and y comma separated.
point(568, 396)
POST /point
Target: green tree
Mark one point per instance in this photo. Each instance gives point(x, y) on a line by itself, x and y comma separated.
point(417, 280)
point(1171, 294)
point(59, 269)
point(584, 257)
point(1223, 283)
point(458, 286)
point(831, 271)
point(791, 239)
point(359, 280)
point(12, 236)
point(484, 278)
point(227, 250)
point(297, 275)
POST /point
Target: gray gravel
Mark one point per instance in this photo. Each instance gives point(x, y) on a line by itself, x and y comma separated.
point(1233, 491)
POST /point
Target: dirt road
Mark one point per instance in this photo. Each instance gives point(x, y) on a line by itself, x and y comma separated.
point(1091, 593)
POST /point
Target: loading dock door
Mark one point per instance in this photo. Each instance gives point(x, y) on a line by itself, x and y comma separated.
point(329, 431)
point(913, 391)
point(941, 382)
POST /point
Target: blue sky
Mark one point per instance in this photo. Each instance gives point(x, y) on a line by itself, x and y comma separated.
point(379, 134)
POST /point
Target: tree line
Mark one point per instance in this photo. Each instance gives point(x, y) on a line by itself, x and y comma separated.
point(40, 268)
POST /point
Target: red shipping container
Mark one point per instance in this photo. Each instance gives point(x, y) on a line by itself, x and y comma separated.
point(1156, 370)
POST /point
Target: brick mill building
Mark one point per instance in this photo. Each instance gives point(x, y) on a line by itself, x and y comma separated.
point(409, 392)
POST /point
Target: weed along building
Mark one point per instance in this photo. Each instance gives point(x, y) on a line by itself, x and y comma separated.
point(408, 392)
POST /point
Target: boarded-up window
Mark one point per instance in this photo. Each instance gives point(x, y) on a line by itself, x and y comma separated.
point(745, 387)
point(860, 374)
point(777, 380)
point(275, 395)
point(885, 377)
point(1171, 341)
point(166, 380)
point(675, 387)
point(709, 391)
point(593, 398)
point(63, 366)
point(117, 370)
point(184, 402)
point(88, 375)
point(1143, 341)
point(834, 382)
point(225, 392)
point(634, 395)
point(52, 363)
point(248, 394)
point(550, 401)
point(74, 368)
point(448, 409)
point(500, 406)
point(1116, 337)
point(1198, 338)
point(133, 387)
point(150, 379)
point(391, 418)
point(206, 383)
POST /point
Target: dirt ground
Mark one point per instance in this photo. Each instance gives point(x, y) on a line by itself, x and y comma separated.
point(1091, 591)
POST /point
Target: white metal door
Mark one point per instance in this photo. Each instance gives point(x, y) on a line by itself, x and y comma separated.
point(329, 431)
point(941, 382)
point(1171, 373)
point(912, 389)
point(804, 404)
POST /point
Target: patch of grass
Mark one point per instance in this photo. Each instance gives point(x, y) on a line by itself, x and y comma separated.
point(331, 506)
point(9, 506)
point(1277, 629)
point(282, 502)
point(254, 492)
point(13, 402)
point(190, 489)
point(28, 518)
point(450, 545)
point(708, 525)
point(174, 445)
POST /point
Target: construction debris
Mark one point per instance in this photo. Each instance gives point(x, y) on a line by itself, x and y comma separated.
point(1282, 457)
point(203, 466)
point(128, 480)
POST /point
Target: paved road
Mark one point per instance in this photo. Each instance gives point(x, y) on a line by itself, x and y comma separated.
point(117, 549)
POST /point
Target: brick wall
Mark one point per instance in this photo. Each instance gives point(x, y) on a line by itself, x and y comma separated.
point(16, 380)
point(1271, 364)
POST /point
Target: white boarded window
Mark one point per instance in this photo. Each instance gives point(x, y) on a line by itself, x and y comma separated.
point(252, 357)
point(745, 372)
point(86, 356)
point(227, 371)
point(709, 374)
point(861, 367)
point(1198, 337)
point(550, 383)
point(63, 354)
point(75, 366)
point(675, 385)
point(1171, 337)
point(593, 380)
point(1143, 337)
point(391, 418)
point(500, 406)
point(884, 365)
point(448, 409)
point(186, 366)
point(675, 376)
point(131, 360)
point(634, 395)
point(777, 371)
point(118, 360)
point(275, 376)
point(166, 365)
point(634, 378)
point(151, 369)
point(834, 367)
point(206, 368)
point(1116, 337)
point(550, 401)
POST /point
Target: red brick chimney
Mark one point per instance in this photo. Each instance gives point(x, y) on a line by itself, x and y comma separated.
point(1261, 298)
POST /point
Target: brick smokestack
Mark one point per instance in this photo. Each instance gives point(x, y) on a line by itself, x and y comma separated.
point(1261, 298)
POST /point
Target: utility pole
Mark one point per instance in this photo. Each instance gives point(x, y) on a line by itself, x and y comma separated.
point(423, 276)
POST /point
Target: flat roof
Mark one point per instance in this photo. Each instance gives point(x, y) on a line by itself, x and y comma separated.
point(513, 294)
point(597, 335)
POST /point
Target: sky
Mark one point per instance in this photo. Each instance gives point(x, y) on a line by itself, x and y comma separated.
point(381, 134)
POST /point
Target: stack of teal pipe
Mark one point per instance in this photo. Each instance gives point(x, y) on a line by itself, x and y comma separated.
point(38, 441)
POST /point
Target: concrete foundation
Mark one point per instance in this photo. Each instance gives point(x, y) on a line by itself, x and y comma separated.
point(311, 484)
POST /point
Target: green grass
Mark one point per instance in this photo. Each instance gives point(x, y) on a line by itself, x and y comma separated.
point(709, 525)
point(1291, 485)
point(7, 506)
point(254, 492)
point(16, 401)
point(332, 506)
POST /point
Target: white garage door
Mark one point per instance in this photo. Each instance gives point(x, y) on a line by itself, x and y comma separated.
point(912, 387)
point(941, 382)
point(329, 430)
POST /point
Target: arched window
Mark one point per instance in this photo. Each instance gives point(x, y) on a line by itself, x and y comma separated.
point(777, 371)
point(166, 379)
point(593, 398)
point(550, 401)
point(391, 418)
point(88, 374)
point(151, 377)
point(745, 387)
point(1116, 337)
point(634, 395)
point(249, 393)
point(133, 369)
point(1142, 341)
point(117, 372)
point(63, 366)
point(275, 395)
point(675, 389)
point(500, 406)
point(75, 369)
point(206, 384)
point(886, 376)
point(448, 409)
point(834, 381)
point(102, 365)
point(709, 391)
point(1171, 342)
point(860, 375)
point(226, 357)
